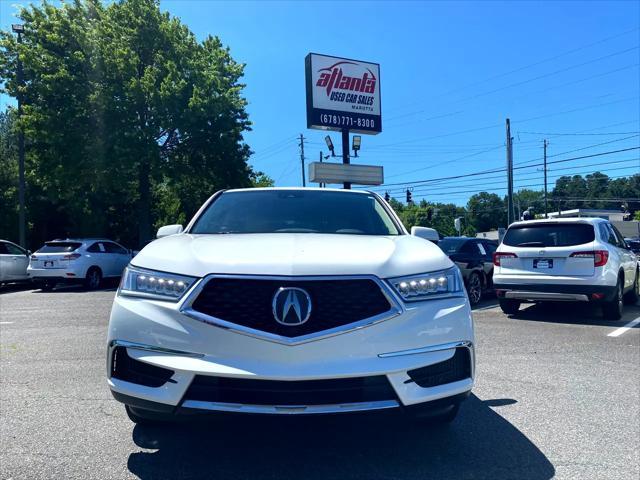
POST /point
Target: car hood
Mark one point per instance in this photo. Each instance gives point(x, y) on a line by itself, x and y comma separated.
point(292, 254)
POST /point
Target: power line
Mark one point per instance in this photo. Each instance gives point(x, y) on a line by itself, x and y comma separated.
point(446, 162)
point(580, 149)
point(497, 170)
point(562, 70)
point(530, 176)
point(501, 188)
point(572, 134)
point(540, 62)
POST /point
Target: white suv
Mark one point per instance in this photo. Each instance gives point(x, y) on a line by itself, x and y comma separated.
point(290, 301)
point(85, 261)
point(568, 259)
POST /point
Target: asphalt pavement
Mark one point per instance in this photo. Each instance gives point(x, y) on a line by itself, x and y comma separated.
point(557, 396)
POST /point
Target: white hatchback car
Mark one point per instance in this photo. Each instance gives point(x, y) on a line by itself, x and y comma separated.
point(567, 259)
point(13, 262)
point(86, 261)
point(291, 301)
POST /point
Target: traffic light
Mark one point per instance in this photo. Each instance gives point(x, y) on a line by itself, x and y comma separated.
point(409, 199)
point(387, 197)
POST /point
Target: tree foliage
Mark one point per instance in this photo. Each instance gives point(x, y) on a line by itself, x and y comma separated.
point(487, 211)
point(130, 121)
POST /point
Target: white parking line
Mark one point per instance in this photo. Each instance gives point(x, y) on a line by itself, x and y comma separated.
point(6, 323)
point(621, 330)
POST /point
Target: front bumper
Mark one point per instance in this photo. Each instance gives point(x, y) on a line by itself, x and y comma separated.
point(159, 334)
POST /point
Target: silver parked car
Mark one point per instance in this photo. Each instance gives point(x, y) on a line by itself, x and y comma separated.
point(14, 261)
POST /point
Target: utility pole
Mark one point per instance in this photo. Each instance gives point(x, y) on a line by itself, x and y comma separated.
point(345, 153)
point(509, 174)
point(19, 29)
point(545, 178)
point(301, 145)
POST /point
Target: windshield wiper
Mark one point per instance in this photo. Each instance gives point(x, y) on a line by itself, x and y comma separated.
point(531, 244)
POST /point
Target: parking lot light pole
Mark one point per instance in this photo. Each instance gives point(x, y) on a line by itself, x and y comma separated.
point(345, 153)
point(19, 29)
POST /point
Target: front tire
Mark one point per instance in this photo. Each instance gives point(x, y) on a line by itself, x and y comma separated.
point(474, 289)
point(612, 310)
point(509, 307)
point(93, 279)
point(631, 297)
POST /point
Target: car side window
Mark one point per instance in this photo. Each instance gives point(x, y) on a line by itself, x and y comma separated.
point(619, 237)
point(608, 235)
point(481, 248)
point(604, 232)
point(96, 248)
point(113, 248)
point(13, 250)
point(3, 249)
point(469, 247)
point(490, 247)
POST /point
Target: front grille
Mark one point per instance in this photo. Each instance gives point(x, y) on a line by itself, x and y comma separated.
point(248, 302)
point(456, 368)
point(123, 367)
point(290, 393)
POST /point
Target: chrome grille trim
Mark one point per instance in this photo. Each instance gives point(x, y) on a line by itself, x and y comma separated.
point(395, 310)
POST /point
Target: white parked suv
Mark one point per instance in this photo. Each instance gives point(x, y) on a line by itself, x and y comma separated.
point(81, 260)
point(568, 259)
point(290, 301)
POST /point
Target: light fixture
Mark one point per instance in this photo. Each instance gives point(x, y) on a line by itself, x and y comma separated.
point(329, 143)
point(357, 140)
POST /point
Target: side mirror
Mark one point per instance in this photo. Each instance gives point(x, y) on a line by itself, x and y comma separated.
point(169, 230)
point(28, 253)
point(427, 233)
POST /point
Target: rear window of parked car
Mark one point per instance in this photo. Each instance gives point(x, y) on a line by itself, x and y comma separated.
point(549, 235)
point(59, 247)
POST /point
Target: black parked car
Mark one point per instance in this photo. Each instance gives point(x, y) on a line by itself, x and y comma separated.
point(474, 256)
point(634, 244)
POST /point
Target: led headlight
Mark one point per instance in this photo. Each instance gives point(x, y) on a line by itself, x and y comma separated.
point(159, 285)
point(414, 288)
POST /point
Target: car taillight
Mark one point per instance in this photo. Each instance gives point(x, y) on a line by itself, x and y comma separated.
point(600, 257)
point(498, 255)
point(71, 256)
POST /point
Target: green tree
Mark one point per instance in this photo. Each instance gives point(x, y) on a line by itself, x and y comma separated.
point(130, 119)
point(8, 177)
point(487, 211)
point(525, 198)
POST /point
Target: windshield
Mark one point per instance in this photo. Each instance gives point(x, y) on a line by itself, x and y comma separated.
point(59, 247)
point(451, 245)
point(549, 235)
point(296, 211)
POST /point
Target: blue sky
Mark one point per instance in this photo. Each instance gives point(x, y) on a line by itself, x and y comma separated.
point(451, 72)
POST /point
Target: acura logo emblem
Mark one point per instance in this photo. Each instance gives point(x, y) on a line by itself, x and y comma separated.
point(291, 306)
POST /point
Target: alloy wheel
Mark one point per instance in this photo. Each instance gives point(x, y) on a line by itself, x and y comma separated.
point(475, 289)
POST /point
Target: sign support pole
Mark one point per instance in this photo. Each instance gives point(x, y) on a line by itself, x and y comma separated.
point(345, 153)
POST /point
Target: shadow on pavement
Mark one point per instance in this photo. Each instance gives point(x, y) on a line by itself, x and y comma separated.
point(16, 287)
point(106, 285)
point(480, 444)
point(486, 303)
point(573, 313)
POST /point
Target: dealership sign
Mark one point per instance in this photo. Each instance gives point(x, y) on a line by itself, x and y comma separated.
point(324, 172)
point(343, 94)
